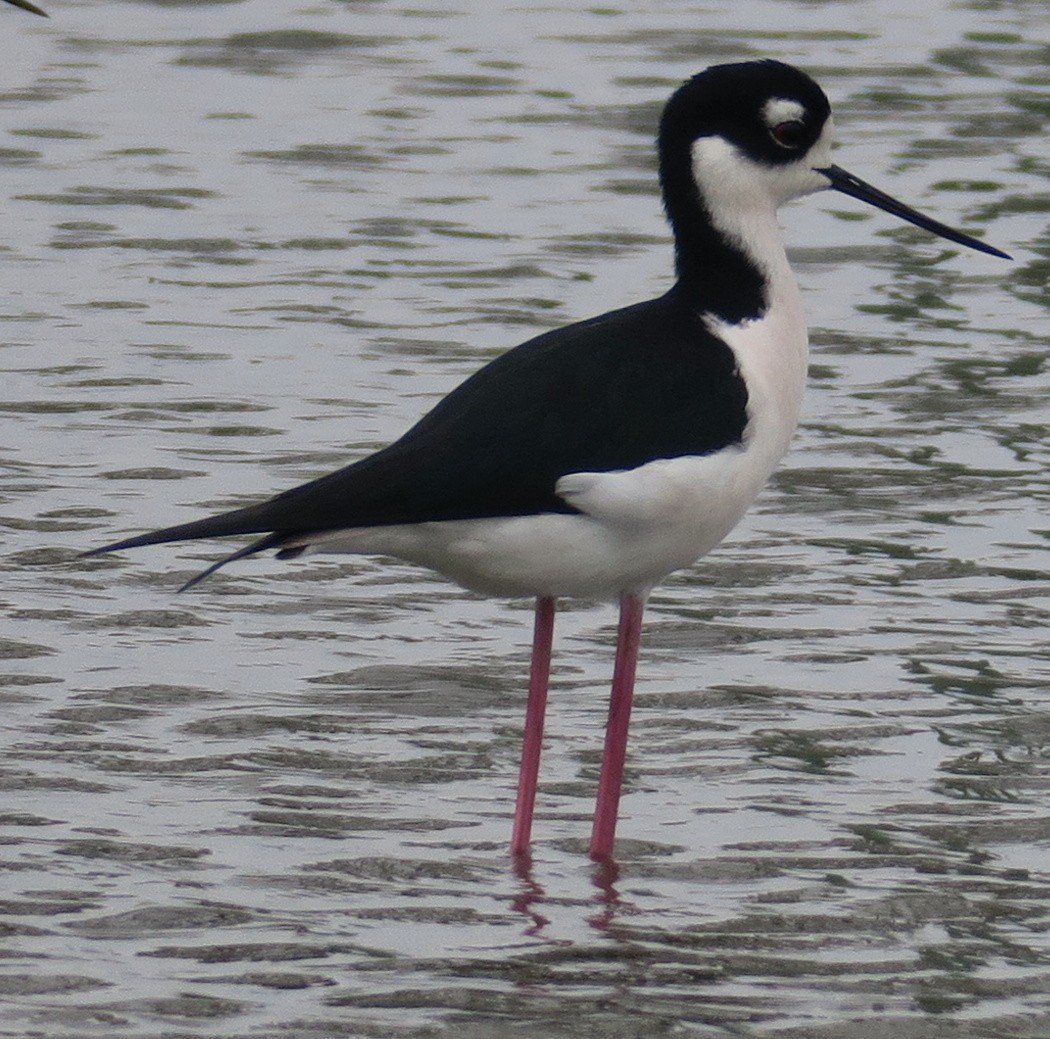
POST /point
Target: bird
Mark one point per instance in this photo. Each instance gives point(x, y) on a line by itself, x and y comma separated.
point(595, 459)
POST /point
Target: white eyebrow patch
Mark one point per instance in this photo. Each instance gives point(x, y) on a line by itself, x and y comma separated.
point(782, 110)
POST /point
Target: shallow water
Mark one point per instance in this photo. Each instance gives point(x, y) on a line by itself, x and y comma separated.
point(244, 244)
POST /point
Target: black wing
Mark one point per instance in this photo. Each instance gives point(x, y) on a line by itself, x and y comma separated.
point(646, 382)
point(27, 6)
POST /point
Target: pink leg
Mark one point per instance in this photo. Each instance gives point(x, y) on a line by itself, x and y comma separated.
point(532, 744)
point(607, 807)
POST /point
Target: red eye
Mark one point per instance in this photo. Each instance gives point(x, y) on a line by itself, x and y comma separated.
point(789, 134)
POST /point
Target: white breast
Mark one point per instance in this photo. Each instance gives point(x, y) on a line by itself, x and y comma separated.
point(772, 355)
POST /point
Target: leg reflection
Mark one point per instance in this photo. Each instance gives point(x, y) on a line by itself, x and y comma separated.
point(529, 894)
point(606, 874)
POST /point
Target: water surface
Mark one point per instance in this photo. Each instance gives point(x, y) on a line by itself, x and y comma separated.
point(243, 244)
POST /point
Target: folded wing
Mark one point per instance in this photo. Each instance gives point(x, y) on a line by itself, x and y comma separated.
point(602, 395)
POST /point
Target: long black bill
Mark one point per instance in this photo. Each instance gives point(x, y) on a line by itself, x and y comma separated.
point(845, 182)
point(27, 6)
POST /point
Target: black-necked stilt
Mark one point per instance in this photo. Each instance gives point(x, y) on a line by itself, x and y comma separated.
point(596, 459)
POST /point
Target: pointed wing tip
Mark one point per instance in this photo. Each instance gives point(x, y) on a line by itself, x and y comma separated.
point(116, 546)
point(270, 541)
point(979, 245)
point(25, 5)
point(138, 541)
point(242, 553)
point(225, 524)
point(197, 578)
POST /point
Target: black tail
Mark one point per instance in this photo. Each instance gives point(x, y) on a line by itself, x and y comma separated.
point(249, 520)
point(271, 541)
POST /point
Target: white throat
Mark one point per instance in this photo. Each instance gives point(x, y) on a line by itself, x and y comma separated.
point(742, 197)
point(771, 351)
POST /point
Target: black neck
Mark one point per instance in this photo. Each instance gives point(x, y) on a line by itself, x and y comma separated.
point(718, 277)
point(716, 273)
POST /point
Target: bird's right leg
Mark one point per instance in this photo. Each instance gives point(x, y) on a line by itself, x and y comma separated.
point(532, 743)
